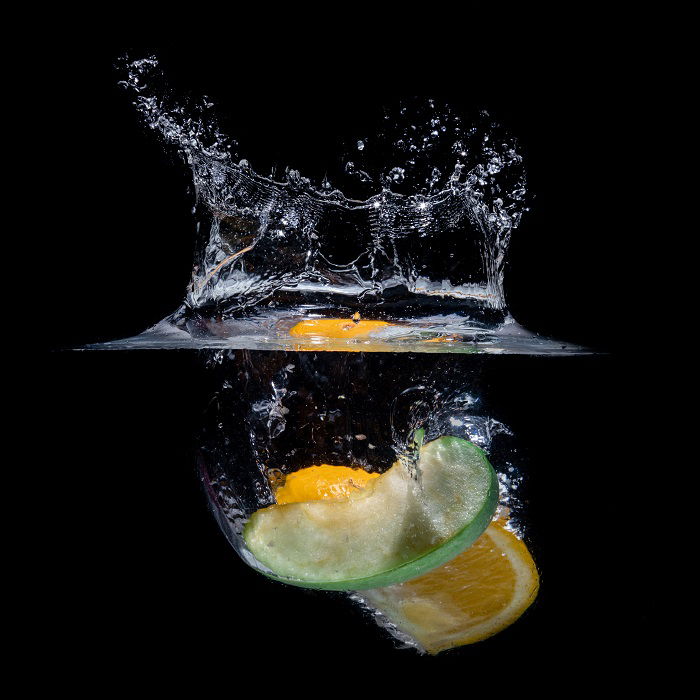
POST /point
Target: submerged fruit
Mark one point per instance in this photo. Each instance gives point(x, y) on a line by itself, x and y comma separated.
point(477, 594)
point(322, 482)
point(394, 529)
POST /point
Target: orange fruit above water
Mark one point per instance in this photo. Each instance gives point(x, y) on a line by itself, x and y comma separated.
point(322, 482)
point(479, 593)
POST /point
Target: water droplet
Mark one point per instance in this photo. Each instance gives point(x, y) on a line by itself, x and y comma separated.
point(397, 174)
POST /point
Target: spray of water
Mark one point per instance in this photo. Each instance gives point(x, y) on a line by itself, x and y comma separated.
point(425, 246)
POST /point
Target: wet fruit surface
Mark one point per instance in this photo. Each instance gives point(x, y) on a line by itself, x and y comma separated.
point(480, 592)
point(322, 482)
point(396, 528)
point(336, 328)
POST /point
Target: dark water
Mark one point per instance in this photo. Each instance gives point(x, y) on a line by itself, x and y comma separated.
point(140, 551)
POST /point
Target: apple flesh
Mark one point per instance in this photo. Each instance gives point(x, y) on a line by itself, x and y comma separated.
point(395, 529)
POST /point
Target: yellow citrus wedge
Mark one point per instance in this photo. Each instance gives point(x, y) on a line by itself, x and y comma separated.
point(335, 328)
point(475, 595)
point(322, 482)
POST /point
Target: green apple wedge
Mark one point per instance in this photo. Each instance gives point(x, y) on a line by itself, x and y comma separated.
point(393, 530)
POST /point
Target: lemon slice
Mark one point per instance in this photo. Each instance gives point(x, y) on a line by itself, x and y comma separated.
point(479, 593)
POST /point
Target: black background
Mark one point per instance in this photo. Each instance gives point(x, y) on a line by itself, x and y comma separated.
point(130, 560)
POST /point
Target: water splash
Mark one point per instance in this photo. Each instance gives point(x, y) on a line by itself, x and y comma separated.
point(425, 248)
point(190, 126)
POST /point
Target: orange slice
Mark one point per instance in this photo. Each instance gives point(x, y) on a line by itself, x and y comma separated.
point(335, 328)
point(322, 482)
point(477, 594)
